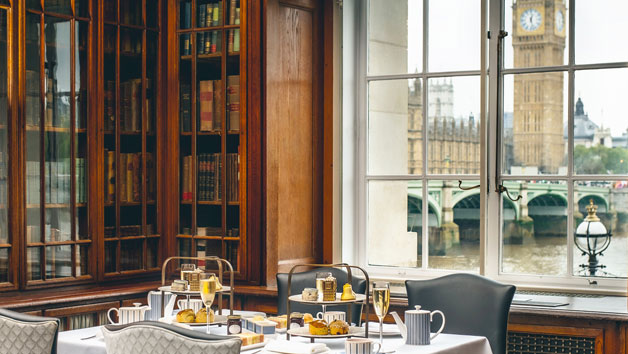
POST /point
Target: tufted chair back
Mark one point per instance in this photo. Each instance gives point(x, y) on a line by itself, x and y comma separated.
point(149, 337)
point(27, 334)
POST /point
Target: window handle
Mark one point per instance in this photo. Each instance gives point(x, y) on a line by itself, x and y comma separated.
point(467, 188)
point(501, 189)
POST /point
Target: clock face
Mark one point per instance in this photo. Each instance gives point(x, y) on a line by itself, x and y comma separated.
point(530, 19)
point(560, 21)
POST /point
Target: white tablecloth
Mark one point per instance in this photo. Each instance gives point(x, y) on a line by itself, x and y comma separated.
point(70, 342)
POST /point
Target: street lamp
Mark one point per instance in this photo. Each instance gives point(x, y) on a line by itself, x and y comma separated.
point(592, 239)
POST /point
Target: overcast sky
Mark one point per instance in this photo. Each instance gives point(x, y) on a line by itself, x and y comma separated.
point(454, 37)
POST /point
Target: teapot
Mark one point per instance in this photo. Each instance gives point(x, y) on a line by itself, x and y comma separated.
point(416, 330)
point(128, 314)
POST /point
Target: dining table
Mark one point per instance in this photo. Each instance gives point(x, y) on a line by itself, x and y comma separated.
point(90, 341)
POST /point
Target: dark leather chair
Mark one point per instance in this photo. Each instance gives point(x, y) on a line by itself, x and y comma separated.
point(472, 305)
point(307, 279)
point(23, 333)
point(149, 337)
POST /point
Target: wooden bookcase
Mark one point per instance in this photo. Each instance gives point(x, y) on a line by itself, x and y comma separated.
point(211, 80)
point(131, 47)
point(7, 251)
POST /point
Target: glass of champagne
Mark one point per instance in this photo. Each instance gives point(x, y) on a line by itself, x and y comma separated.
point(381, 301)
point(208, 292)
point(186, 268)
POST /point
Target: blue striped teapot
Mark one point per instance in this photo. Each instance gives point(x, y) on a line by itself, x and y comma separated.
point(416, 330)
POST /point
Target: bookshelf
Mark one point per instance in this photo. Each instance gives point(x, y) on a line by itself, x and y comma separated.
point(212, 141)
point(5, 239)
point(131, 52)
point(58, 244)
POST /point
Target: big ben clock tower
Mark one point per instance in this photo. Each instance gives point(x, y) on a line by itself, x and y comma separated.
point(538, 40)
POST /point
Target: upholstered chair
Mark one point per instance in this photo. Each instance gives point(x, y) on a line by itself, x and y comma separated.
point(27, 334)
point(148, 337)
point(307, 279)
point(472, 305)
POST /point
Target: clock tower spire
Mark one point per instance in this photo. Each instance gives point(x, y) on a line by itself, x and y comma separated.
point(538, 40)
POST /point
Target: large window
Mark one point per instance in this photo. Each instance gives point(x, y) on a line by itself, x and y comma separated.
point(542, 119)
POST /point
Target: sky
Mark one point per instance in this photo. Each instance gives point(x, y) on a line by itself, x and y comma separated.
point(454, 37)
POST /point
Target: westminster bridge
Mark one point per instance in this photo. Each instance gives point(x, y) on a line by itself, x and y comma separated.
point(454, 213)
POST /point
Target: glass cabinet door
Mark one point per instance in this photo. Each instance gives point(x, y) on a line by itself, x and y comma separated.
point(5, 240)
point(57, 235)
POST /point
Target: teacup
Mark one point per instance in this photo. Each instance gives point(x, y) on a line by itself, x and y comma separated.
point(361, 346)
point(193, 304)
point(331, 316)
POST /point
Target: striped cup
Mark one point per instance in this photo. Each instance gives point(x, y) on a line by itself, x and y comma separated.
point(361, 346)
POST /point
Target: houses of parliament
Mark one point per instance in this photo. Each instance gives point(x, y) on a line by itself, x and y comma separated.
point(537, 126)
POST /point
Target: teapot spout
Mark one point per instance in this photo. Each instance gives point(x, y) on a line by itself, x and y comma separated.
point(402, 327)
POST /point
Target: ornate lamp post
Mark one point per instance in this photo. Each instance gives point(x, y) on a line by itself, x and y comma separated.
point(592, 239)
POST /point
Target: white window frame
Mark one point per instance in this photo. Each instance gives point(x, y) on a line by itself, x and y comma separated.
point(354, 166)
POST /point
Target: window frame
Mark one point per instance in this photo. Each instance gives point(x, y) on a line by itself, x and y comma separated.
point(355, 186)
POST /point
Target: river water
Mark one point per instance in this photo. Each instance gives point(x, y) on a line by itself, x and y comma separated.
point(543, 255)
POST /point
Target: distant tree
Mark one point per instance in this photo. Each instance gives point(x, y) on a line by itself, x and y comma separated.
point(600, 160)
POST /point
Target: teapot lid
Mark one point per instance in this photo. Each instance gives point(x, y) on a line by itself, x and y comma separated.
point(417, 310)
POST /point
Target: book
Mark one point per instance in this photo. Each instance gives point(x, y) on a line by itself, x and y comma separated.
point(232, 11)
point(185, 108)
point(136, 170)
point(236, 40)
point(186, 14)
point(218, 105)
point(208, 43)
point(233, 102)
point(216, 14)
point(200, 43)
point(215, 42)
point(186, 191)
point(111, 173)
point(209, 16)
point(151, 178)
point(206, 96)
point(202, 11)
point(122, 179)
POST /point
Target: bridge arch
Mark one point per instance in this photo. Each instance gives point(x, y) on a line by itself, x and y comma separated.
point(415, 207)
point(549, 213)
point(467, 216)
point(510, 209)
point(583, 201)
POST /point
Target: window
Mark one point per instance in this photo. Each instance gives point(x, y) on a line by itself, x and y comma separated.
point(553, 154)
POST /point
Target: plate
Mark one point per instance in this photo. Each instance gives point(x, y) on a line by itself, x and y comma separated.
point(299, 298)
point(218, 319)
point(256, 345)
point(167, 288)
point(305, 332)
point(389, 329)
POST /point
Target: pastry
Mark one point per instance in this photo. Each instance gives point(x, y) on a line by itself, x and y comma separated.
point(282, 321)
point(318, 328)
point(309, 294)
point(201, 316)
point(337, 327)
point(186, 316)
point(257, 318)
point(251, 338)
point(347, 293)
point(307, 317)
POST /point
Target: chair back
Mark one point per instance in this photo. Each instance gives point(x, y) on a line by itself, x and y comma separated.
point(150, 337)
point(307, 279)
point(22, 333)
point(472, 305)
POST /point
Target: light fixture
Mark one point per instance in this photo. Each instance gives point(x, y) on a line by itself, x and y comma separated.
point(592, 239)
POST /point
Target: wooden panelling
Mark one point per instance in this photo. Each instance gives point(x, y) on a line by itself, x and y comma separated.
point(294, 126)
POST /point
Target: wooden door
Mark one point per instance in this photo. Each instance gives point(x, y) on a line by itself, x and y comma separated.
point(294, 134)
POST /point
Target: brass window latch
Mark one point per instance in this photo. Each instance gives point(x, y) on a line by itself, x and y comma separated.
point(502, 189)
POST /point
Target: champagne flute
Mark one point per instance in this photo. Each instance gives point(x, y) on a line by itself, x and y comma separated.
point(208, 292)
point(381, 301)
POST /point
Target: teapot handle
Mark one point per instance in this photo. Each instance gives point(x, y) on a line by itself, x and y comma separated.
point(442, 326)
point(109, 314)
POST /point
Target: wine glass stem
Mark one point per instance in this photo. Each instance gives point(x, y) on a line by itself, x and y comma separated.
point(381, 331)
point(207, 312)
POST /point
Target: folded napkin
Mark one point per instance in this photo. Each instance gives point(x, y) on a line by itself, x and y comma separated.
point(292, 347)
point(388, 328)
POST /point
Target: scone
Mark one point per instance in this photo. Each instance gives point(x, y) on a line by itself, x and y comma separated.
point(307, 318)
point(318, 328)
point(185, 316)
point(201, 316)
point(337, 327)
point(309, 294)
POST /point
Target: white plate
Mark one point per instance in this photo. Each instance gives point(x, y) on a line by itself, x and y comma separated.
point(389, 329)
point(299, 298)
point(256, 345)
point(305, 332)
point(218, 319)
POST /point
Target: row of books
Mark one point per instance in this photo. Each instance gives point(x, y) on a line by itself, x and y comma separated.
point(233, 177)
point(233, 102)
point(129, 230)
point(57, 181)
point(208, 15)
point(204, 249)
point(210, 105)
point(130, 105)
point(130, 177)
point(207, 43)
point(209, 184)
